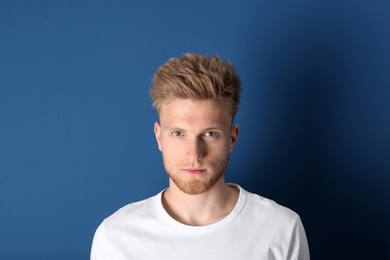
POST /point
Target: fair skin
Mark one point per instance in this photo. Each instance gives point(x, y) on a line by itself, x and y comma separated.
point(196, 138)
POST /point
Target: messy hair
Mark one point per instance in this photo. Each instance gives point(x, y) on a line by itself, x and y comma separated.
point(197, 77)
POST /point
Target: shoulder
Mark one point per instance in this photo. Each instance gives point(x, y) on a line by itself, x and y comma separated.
point(127, 222)
point(264, 208)
point(131, 214)
point(277, 222)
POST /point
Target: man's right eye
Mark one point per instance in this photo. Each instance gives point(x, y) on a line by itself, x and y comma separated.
point(177, 133)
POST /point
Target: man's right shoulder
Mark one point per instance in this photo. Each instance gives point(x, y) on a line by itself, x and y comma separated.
point(132, 213)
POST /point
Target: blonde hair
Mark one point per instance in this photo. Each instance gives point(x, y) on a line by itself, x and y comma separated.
point(198, 77)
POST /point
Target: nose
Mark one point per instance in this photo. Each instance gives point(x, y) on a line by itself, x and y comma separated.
point(196, 149)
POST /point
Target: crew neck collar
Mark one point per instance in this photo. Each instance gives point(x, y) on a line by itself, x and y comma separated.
point(202, 229)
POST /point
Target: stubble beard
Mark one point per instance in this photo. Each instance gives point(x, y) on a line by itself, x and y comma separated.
point(203, 183)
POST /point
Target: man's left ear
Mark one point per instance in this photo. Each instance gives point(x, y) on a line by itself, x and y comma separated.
point(233, 136)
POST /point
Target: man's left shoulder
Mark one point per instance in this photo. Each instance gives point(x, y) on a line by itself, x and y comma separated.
point(268, 208)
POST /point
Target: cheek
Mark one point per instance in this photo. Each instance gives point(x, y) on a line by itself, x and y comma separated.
point(227, 147)
point(170, 151)
point(219, 152)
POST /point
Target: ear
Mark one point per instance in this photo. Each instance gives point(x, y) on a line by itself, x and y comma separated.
point(233, 136)
point(157, 134)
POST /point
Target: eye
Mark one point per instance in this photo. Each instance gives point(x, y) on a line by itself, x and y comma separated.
point(211, 134)
point(177, 133)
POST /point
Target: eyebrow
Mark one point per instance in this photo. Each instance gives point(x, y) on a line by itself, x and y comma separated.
point(212, 128)
point(203, 130)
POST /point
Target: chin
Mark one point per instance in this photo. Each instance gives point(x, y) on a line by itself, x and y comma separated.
point(196, 187)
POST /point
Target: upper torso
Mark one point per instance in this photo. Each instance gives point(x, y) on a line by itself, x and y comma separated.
point(257, 228)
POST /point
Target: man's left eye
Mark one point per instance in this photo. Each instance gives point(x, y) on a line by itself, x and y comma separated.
point(211, 133)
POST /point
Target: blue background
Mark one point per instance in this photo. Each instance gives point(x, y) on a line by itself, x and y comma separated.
point(76, 122)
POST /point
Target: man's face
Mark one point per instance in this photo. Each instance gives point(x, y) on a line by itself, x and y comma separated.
point(195, 138)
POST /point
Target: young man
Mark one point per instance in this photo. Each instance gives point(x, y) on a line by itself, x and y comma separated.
point(199, 216)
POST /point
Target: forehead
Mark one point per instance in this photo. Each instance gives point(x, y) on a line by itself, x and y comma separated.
point(207, 111)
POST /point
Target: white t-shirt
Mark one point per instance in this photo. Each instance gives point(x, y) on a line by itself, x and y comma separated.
point(257, 228)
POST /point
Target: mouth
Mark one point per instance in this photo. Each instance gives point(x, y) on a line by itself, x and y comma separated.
point(195, 171)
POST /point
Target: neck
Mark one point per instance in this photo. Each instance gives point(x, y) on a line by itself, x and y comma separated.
point(202, 209)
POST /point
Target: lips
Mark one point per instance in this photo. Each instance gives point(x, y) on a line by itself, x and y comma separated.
point(194, 170)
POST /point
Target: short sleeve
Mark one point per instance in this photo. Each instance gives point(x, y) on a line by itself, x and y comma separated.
point(100, 245)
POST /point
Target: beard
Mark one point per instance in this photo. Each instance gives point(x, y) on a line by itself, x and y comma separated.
point(202, 184)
